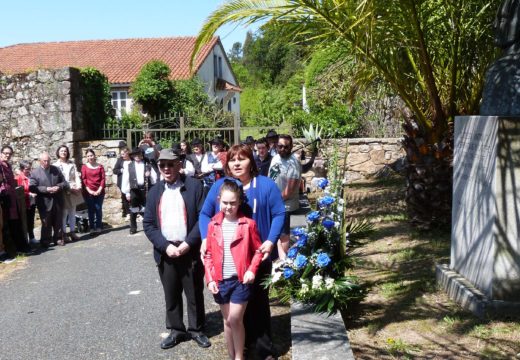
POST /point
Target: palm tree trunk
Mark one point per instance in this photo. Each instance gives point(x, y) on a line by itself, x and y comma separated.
point(429, 176)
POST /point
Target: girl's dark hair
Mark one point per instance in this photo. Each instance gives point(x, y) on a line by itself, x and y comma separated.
point(235, 187)
point(244, 151)
point(25, 164)
point(90, 151)
point(62, 147)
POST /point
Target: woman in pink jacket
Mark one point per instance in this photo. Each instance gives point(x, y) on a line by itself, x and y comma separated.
point(231, 262)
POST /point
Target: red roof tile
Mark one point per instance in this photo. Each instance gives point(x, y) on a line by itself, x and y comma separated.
point(119, 60)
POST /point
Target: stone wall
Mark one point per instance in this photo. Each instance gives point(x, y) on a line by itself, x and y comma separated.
point(40, 110)
point(364, 158)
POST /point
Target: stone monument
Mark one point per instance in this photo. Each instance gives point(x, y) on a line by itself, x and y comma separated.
point(501, 94)
point(484, 271)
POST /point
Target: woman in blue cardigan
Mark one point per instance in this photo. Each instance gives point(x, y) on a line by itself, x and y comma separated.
point(265, 205)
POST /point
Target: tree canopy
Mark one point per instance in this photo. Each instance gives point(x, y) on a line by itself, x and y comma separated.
point(432, 53)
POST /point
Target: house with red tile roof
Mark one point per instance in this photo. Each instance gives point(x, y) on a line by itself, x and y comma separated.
point(121, 61)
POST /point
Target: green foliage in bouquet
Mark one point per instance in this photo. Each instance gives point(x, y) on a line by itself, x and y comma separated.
point(317, 270)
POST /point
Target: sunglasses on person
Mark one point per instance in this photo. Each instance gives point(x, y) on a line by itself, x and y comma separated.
point(280, 146)
point(169, 164)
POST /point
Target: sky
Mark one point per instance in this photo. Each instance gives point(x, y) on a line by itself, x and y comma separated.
point(27, 21)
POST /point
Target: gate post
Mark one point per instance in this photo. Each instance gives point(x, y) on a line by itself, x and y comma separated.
point(129, 139)
point(181, 127)
point(236, 126)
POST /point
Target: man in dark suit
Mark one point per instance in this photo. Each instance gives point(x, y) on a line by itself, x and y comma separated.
point(48, 183)
point(171, 224)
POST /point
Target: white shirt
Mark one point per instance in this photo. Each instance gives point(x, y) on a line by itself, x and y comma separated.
point(206, 167)
point(229, 229)
point(139, 172)
point(68, 169)
point(189, 169)
point(281, 171)
point(173, 213)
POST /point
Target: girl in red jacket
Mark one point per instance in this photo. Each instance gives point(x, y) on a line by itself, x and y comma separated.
point(231, 261)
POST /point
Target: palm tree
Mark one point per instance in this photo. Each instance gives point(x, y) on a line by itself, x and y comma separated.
point(432, 53)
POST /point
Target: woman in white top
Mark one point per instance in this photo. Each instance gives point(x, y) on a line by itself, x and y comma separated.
point(72, 197)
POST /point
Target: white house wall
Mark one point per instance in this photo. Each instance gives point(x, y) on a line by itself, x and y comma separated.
point(208, 77)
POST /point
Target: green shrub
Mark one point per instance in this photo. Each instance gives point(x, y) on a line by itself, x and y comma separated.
point(97, 107)
point(152, 89)
point(337, 120)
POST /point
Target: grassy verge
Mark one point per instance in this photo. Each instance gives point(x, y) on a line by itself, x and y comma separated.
point(405, 315)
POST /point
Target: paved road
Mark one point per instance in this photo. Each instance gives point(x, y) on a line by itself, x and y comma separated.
point(98, 298)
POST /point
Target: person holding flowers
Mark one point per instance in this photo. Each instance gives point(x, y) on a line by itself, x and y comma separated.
point(231, 262)
point(264, 204)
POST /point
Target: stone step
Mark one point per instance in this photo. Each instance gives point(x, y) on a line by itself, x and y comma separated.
point(318, 337)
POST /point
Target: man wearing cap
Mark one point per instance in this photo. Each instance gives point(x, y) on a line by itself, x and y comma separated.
point(272, 141)
point(212, 165)
point(171, 224)
point(135, 184)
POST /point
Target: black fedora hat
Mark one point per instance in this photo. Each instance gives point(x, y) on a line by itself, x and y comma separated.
point(217, 141)
point(196, 142)
point(136, 151)
point(271, 134)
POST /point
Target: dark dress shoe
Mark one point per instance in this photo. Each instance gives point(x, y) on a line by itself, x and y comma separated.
point(173, 339)
point(201, 340)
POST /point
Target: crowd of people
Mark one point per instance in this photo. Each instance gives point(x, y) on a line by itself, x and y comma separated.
point(54, 189)
point(222, 215)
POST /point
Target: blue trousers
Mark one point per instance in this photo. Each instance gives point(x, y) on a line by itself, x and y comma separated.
point(95, 210)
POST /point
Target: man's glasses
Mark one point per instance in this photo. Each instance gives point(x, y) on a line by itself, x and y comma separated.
point(280, 146)
point(7, 153)
point(169, 164)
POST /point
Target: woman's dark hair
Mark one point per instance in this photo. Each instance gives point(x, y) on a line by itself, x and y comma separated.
point(188, 147)
point(235, 187)
point(62, 147)
point(90, 151)
point(241, 150)
point(25, 164)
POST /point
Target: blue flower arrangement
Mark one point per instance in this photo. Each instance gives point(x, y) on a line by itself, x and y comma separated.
point(316, 270)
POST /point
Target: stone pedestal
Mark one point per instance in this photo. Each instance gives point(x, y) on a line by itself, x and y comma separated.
point(485, 240)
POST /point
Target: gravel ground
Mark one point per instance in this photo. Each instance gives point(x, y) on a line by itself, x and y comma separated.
point(100, 298)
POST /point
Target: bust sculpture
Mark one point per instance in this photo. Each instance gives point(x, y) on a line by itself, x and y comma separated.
point(501, 95)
